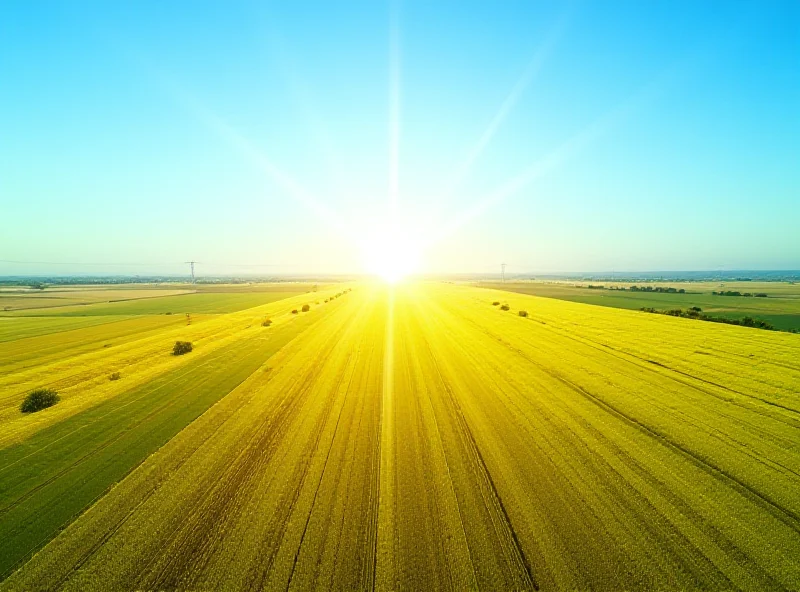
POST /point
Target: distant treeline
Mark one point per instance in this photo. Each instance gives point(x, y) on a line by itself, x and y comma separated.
point(659, 289)
point(696, 312)
point(746, 294)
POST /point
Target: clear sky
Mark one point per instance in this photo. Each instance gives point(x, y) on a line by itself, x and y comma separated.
point(584, 136)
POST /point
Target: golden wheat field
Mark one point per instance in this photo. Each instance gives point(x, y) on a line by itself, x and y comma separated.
point(408, 437)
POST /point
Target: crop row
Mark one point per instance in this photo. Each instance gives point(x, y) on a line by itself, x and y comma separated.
point(422, 439)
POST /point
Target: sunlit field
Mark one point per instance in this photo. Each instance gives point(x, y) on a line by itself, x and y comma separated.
point(399, 296)
point(779, 303)
point(401, 436)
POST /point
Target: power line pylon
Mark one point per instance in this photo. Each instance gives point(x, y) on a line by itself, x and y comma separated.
point(503, 272)
point(191, 264)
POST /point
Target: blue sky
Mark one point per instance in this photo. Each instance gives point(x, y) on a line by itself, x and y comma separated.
point(616, 135)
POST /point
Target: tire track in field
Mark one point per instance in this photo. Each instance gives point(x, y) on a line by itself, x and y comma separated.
point(493, 499)
point(385, 568)
point(152, 490)
point(336, 550)
point(648, 366)
point(192, 546)
point(338, 474)
point(430, 533)
point(637, 505)
point(738, 420)
point(211, 358)
point(261, 575)
point(180, 374)
point(785, 515)
point(206, 361)
point(621, 354)
point(129, 428)
point(761, 500)
point(521, 570)
point(85, 375)
point(106, 443)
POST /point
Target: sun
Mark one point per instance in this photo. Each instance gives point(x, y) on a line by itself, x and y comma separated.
point(391, 252)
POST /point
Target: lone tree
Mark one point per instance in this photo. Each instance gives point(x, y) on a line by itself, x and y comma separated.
point(305, 308)
point(294, 311)
point(39, 399)
point(266, 322)
point(523, 313)
point(181, 347)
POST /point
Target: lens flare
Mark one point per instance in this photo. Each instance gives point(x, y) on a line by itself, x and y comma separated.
point(391, 252)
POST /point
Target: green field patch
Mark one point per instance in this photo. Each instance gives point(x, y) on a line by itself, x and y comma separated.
point(33, 351)
point(51, 478)
point(205, 303)
point(782, 311)
point(13, 328)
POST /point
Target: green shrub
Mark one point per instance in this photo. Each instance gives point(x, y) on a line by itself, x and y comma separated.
point(305, 308)
point(266, 322)
point(181, 347)
point(523, 313)
point(39, 399)
point(115, 376)
point(505, 307)
point(294, 311)
point(495, 303)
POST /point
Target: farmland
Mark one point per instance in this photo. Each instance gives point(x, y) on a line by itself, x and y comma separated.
point(139, 300)
point(781, 307)
point(414, 437)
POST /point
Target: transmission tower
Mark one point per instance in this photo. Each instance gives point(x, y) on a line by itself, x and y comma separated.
point(191, 265)
point(503, 272)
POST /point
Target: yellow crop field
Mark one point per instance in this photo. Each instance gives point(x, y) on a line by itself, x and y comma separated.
point(78, 362)
point(413, 437)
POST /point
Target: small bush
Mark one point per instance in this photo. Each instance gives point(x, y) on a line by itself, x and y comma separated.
point(495, 303)
point(505, 307)
point(294, 311)
point(39, 399)
point(115, 376)
point(523, 313)
point(181, 347)
point(167, 313)
point(266, 322)
point(306, 308)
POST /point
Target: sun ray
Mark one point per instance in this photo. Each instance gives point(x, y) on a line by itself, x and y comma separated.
point(394, 107)
point(506, 107)
point(299, 90)
point(557, 157)
point(292, 188)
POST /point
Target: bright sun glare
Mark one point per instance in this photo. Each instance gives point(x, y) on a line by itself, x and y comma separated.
point(391, 253)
